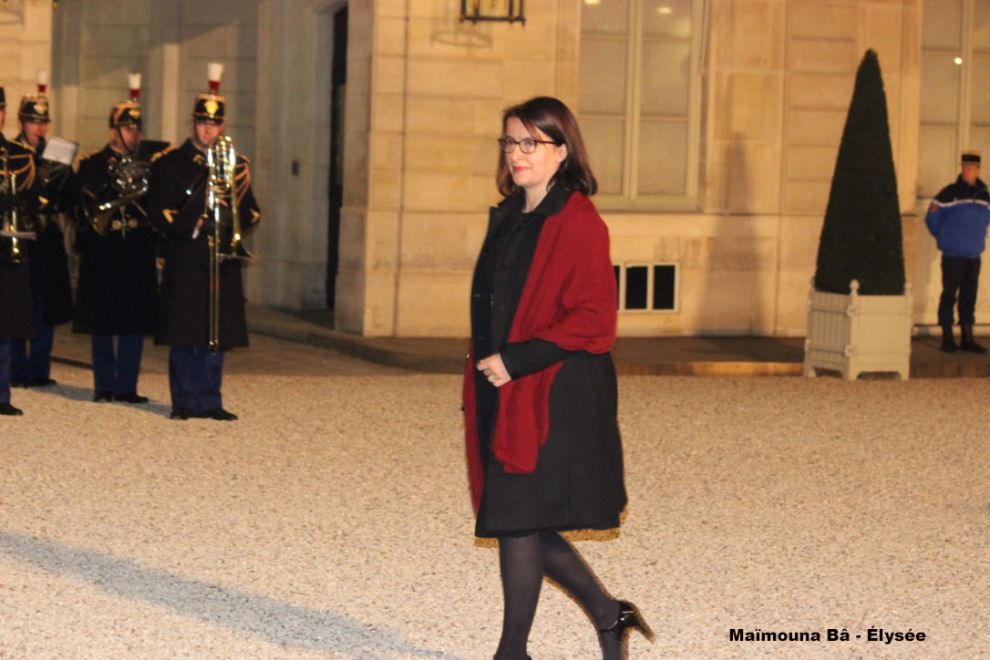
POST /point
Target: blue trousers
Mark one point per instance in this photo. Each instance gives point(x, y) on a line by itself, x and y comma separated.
point(116, 373)
point(194, 376)
point(959, 275)
point(4, 370)
point(35, 365)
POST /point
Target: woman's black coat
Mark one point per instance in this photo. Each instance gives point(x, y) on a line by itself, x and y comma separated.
point(578, 482)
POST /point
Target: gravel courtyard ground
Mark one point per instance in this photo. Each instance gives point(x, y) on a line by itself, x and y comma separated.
point(332, 520)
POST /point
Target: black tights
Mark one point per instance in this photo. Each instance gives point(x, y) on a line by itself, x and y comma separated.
point(524, 561)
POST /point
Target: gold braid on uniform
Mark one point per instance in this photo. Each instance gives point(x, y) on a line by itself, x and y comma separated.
point(158, 154)
point(23, 182)
point(242, 181)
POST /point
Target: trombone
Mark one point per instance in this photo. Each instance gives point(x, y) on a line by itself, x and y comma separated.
point(221, 191)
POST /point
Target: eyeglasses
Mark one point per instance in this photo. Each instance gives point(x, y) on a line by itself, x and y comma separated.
point(526, 145)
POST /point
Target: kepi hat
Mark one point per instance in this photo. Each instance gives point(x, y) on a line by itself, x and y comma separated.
point(211, 106)
point(971, 157)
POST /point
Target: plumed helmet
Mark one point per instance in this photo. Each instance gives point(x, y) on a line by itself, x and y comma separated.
point(210, 106)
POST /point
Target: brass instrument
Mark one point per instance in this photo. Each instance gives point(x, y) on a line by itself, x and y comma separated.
point(221, 192)
point(11, 226)
point(128, 181)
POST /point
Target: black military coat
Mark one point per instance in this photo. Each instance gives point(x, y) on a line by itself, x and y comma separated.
point(578, 482)
point(16, 320)
point(175, 202)
point(48, 260)
point(117, 291)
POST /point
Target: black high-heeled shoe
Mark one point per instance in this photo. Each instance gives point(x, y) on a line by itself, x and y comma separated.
point(629, 618)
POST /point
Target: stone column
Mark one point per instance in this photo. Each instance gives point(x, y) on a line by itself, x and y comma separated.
point(162, 103)
point(66, 53)
point(264, 279)
point(367, 229)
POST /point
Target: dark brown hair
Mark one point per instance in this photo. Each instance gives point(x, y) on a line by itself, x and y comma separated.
point(558, 123)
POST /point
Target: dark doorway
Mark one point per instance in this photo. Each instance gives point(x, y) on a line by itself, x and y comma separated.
point(338, 87)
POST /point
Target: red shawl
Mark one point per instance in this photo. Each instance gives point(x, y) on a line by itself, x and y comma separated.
point(569, 299)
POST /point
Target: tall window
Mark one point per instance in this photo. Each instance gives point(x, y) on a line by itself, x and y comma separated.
point(640, 100)
point(955, 90)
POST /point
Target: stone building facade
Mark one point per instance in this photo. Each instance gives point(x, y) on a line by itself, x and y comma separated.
point(713, 126)
point(25, 47)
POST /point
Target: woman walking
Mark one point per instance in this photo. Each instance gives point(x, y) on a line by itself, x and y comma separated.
point(543, 446)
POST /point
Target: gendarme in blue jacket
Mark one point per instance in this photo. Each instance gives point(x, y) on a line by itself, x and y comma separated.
point(958, 218)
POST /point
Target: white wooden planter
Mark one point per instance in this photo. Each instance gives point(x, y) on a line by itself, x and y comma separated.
point(855, 334)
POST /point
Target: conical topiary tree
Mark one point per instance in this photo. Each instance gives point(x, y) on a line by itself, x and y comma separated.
point(861, 237)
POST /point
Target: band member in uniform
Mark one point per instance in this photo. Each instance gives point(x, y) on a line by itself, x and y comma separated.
point(50, 289)
point(18, 189)
point(117, 293)
point(202, 297)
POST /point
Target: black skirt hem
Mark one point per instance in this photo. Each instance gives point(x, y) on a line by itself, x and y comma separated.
point(608, 523)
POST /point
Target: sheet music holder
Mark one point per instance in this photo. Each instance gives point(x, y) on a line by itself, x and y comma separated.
point(60, 150)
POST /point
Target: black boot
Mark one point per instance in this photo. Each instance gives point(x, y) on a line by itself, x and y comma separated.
point(7, 409)
point(948, 341)
point(968, 343)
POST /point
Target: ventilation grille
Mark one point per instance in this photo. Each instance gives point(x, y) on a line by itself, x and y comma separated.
point(647, 287)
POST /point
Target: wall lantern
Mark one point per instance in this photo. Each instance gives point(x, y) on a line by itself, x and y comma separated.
point(507, 11)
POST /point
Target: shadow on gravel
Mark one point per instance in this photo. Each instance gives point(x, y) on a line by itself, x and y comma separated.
point(67, 391)
point(86, 394)
point(275, 622)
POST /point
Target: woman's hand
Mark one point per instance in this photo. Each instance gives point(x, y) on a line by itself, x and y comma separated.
point(494, 370)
